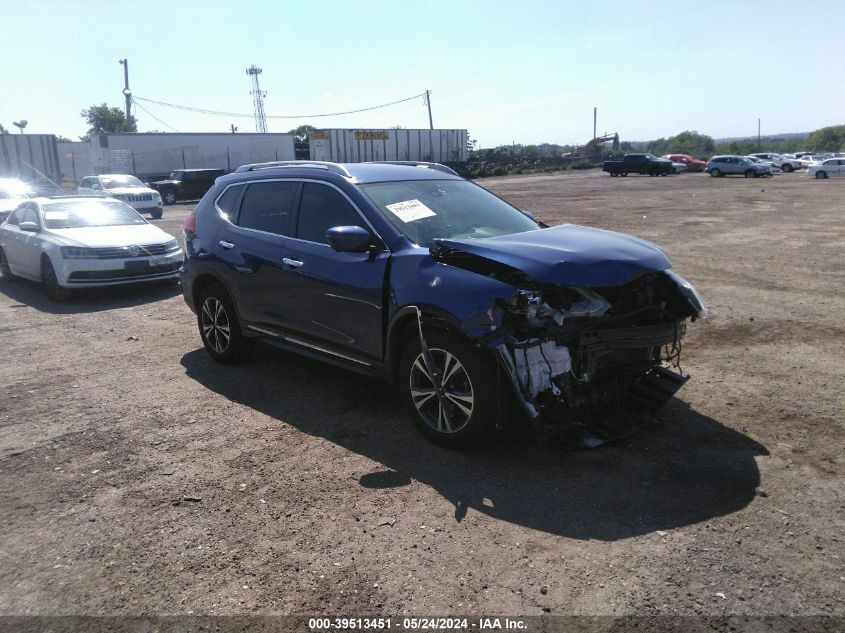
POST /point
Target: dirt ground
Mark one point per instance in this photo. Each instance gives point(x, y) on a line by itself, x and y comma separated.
point(733, 503)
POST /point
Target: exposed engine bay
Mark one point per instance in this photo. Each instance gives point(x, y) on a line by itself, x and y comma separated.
point(598, 358)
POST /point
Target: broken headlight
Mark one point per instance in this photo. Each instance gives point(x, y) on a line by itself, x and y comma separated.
point(690, 293)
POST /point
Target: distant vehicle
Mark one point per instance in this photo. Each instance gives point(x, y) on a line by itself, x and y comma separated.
point(186, 184)
point(725, 165)
point(12, 193)
point(692, 163)
point(638, 164)
point(830, 168)
point(82, 242)
point(785, 163)
point(809, 159)
point(125, 188)
point(772, 167)
point(679, 168)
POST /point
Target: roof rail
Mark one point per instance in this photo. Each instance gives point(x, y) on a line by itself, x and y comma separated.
point(315, 164)
point(414, 163)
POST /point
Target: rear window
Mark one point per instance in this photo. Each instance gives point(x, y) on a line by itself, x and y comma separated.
point(267, 206)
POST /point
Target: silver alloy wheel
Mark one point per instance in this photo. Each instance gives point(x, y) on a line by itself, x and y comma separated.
point(451, 409)
point(169, 197)
point(215, 325)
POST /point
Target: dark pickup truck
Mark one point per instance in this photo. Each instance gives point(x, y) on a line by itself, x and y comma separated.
point(186, 184)
point(638, 164)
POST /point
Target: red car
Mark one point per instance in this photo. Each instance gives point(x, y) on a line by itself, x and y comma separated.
point(693, 163)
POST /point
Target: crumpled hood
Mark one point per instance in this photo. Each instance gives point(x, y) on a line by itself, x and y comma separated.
point(569, 255)
point(106, 236)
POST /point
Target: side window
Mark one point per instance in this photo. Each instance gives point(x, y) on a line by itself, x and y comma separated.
point(321, 208)
point(267, 206)
point(15, 217)
point(226, 203)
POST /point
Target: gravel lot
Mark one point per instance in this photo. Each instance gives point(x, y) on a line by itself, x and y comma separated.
point(733, 503)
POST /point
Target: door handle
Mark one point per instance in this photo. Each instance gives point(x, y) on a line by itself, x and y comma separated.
point(226, 245)
point(295, 263)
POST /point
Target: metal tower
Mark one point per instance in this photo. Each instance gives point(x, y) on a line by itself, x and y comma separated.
point(258, 99)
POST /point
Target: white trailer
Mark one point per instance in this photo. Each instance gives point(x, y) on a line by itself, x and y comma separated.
point(31, 157)
point(157, 154)
point(360, 145)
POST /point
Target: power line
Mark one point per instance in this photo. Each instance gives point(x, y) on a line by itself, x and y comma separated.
point(277, 116)
point(138, 105)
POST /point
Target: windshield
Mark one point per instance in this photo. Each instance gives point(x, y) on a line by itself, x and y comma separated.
point(424, 210)
point(113, 182)
point(85, 213)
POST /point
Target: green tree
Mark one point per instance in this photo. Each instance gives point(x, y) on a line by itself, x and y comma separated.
point(827, 139)
point(3, 130)
point(300, 134)
point(63, 139)
point(105, 120)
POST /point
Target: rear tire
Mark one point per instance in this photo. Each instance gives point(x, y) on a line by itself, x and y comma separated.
point(219, 327)
point(786, 168)
point(750, 173)
point(469, 403)
point(5, 271)
point(54, 291)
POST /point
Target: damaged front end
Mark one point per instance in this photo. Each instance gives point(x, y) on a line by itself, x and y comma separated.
point(597, 360)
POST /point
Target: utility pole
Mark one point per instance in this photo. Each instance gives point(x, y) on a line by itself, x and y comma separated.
point(595, 119)
point(428, 103)
point(258, 99)
point(234, 128)
point(127, 93)
point(758, 136)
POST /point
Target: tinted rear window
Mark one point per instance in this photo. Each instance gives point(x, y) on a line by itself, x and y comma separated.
point(266, 206)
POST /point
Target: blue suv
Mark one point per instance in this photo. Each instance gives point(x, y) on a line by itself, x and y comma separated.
point(408, 272)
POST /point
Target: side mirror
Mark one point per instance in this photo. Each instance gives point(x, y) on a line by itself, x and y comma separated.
point(529, 215)
point(349, 239)
point(29, 227)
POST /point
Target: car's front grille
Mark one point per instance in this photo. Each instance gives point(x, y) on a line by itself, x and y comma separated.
point(135, 197)
point(122, 252)
point(123, 273)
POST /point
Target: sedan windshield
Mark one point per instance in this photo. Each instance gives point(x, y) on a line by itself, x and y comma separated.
point(113, 182)
point(424, 210)
point(86, 213)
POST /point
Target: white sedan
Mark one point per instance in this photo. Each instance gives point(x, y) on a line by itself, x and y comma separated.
point(82, 242)
point(125, 188)
point(830, 168)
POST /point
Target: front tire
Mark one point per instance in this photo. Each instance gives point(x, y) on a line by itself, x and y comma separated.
point(821, 175)
point(219, 327)
point(54, 291)
point(169, 197)
point(786, 168)
point(5, 271)
point(467, 407)
point(750, 173)
point(156, 214)
point(715, 173)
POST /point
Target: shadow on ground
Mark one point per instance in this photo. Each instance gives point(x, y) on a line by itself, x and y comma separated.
point(29, 293)
point(685, 469)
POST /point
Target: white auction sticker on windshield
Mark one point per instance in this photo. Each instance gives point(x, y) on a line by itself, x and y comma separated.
point(410, 210)
point(56, 215)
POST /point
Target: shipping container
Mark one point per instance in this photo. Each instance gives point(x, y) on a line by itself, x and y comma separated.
point(74, 162)
point(31, 157)
point(358, 145)
point(153, 155)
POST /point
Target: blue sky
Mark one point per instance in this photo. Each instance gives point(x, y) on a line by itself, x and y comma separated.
point(528, 71)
